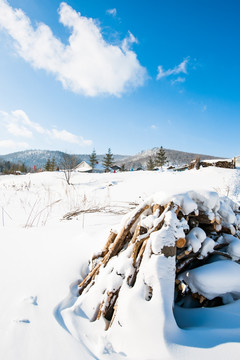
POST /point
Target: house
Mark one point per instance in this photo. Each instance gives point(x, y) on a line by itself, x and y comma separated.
point(115, 168)
point(99, 168)
point(83, 167)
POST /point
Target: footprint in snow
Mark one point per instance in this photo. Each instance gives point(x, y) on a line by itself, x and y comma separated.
point(24, 321)
point(25, 306)
point(32, 300)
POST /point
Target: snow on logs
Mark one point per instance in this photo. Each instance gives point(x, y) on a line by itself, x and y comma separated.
point(166, 238)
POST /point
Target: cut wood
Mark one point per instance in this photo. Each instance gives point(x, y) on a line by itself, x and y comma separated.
point(203, 218)
point(119, 241)
point(157, 207)
point(180, 243)
point(112, 236)
point(135, 245)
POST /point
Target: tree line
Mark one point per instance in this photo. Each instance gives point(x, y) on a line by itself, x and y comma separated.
point(8, 167)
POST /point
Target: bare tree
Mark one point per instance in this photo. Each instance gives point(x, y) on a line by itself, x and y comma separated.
point(68, 163)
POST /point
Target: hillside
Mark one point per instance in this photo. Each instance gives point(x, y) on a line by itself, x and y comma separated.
point(174, 157)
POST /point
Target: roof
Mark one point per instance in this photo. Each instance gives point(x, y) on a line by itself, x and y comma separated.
point(115, 167)
point(83, 167)
point(99, 168)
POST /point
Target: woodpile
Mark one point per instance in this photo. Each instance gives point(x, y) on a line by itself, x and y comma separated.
point(225, 163)
point(192, 235)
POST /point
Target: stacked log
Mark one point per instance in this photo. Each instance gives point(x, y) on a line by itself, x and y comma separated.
point(225, 163)
point(165, 230)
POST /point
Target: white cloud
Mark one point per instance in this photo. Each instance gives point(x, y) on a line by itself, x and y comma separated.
point(22, 116)
point(179, 79)
point(10, 144)
point(181, 68)
point(17, 130)
point(112, 12)
point(64, 135)
point(154, 127)
point(87, 64)
point(18, 124)
point(69, 137)
point(128, 41)
point(204, 108)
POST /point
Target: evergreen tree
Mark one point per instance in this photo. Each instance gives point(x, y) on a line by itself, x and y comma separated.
point(23, 168)
point(160, 158)
point(93, 159)
point(48, 165)
point(52, 166)
point(108, 160)
point(123, 167)
point(150, 164)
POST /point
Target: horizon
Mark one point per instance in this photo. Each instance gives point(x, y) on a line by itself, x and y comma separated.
point(98, 75)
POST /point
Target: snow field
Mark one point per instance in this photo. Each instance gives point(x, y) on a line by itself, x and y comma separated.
point(42, 259)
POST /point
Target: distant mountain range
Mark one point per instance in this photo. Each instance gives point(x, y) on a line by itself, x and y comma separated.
point(39, 158)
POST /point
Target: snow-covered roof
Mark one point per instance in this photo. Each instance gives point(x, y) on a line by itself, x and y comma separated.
point(99, 168)
point(83, 166)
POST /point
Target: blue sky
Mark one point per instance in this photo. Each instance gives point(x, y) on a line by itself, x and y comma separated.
point(129, 75)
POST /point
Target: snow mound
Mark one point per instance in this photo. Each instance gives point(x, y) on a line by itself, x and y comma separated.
point(215, 279)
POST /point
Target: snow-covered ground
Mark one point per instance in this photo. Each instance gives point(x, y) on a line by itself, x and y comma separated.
point(43, 258)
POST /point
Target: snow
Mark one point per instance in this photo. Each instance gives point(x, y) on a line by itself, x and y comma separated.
point(214, 279)
point(207, 247)
point(43, 258)
point(168, 234)
point(216, 160)
point(233, 247)
point(82, 167)
point(195, 238)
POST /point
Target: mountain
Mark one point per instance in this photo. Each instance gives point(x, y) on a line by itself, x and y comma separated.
point(174, 157)
point(39, 157)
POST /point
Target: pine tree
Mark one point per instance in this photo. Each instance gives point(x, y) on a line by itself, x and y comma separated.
point(48, 165)
point(23, 168)
point(108, 160)
point(160, 158)
point(52, 166)
point(123, 167)
point(93, 159)
point(150, 164)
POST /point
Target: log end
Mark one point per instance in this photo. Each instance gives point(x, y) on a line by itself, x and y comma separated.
point(180, 243)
